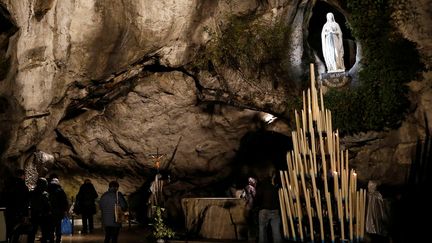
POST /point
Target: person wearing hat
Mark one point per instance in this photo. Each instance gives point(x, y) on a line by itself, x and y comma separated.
point(59, 204)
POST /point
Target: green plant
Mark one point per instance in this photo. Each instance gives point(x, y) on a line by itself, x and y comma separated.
point(245, 43)
point(160, 229)
point(389, 62)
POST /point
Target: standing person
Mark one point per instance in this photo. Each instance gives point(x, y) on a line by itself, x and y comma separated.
point(377, 215)
point(41, 213)
point(267, 201)
point(249, 194)
point(106, 204)
point(17, 197)
point(85, 203)
point(59, 205)
point(156, 197)
point(332, 45)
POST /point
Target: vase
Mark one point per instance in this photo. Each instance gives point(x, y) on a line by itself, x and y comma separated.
point(160, 241)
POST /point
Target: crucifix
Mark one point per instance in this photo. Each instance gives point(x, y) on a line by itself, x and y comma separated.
point(157, 159)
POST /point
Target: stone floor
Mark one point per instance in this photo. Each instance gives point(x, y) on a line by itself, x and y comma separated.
point(133, 234)
point(129, 234)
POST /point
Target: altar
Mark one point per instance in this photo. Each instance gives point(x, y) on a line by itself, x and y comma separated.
point(2, 225)
point(216, 218)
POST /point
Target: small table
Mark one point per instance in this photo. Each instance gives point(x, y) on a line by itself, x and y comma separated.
point(2, 225)
point(216, 218)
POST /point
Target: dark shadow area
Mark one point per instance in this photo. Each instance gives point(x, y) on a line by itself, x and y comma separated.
point(316, 24)
point(409, 204)
point(138, 202)
point(412, 208)
point(260, 151)
point(7, 29)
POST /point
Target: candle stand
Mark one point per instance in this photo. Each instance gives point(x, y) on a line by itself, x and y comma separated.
point(319, 198)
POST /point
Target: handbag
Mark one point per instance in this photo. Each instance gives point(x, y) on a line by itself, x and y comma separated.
point(119, 215)
point(66, 226)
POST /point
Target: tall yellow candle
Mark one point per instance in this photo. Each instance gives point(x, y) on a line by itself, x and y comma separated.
point(300, 218)
point(297, 120)
point(357, 216)
point(330, 121)
point(319, 209)
point(363, 214)
point(314, 193)
point(350, 202)
point(291, 196)
point(338, 160)
point(324, 163)
point(304, 104)
point(312, 74)
point(282, 176)
point(341, 218)
point(309, 110)
point(289, 162)
point(346, 195)
point(322, 100)
point(310, 121)
point(295, 142)
point(335, 182)
point(309, 210)
point(283, 213)
point(304, 120)
point(291, 215)
point(355, 181)
point(330, 213)
point(287, 182)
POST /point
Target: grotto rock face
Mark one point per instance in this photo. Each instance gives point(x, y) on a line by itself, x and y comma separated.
point(415, 24)
point(387, 156)
point(104, 85)
point(157, 116)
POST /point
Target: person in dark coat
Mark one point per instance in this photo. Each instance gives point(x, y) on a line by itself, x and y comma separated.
point(106, 204)
point(85, 205)
point(41, 213)
point(267, 201)
point(59, 205)
point(17, 197)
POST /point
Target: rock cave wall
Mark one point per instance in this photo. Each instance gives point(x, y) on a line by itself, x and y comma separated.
point(103, 85)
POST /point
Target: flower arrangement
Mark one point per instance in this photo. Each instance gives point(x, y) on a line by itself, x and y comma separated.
point(161, 230)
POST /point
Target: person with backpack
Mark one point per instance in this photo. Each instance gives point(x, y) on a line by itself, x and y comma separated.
point(59, 206)
point(85, 205)
point(41, 213)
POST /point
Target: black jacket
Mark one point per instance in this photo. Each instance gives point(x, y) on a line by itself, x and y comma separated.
point(58, 201)
point(17, 197)
point(267, 196)
point(85, 199)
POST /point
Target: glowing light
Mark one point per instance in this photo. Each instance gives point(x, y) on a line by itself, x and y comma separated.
point(268, 118)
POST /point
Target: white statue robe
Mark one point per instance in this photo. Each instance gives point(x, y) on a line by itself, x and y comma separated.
point(332, 45)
